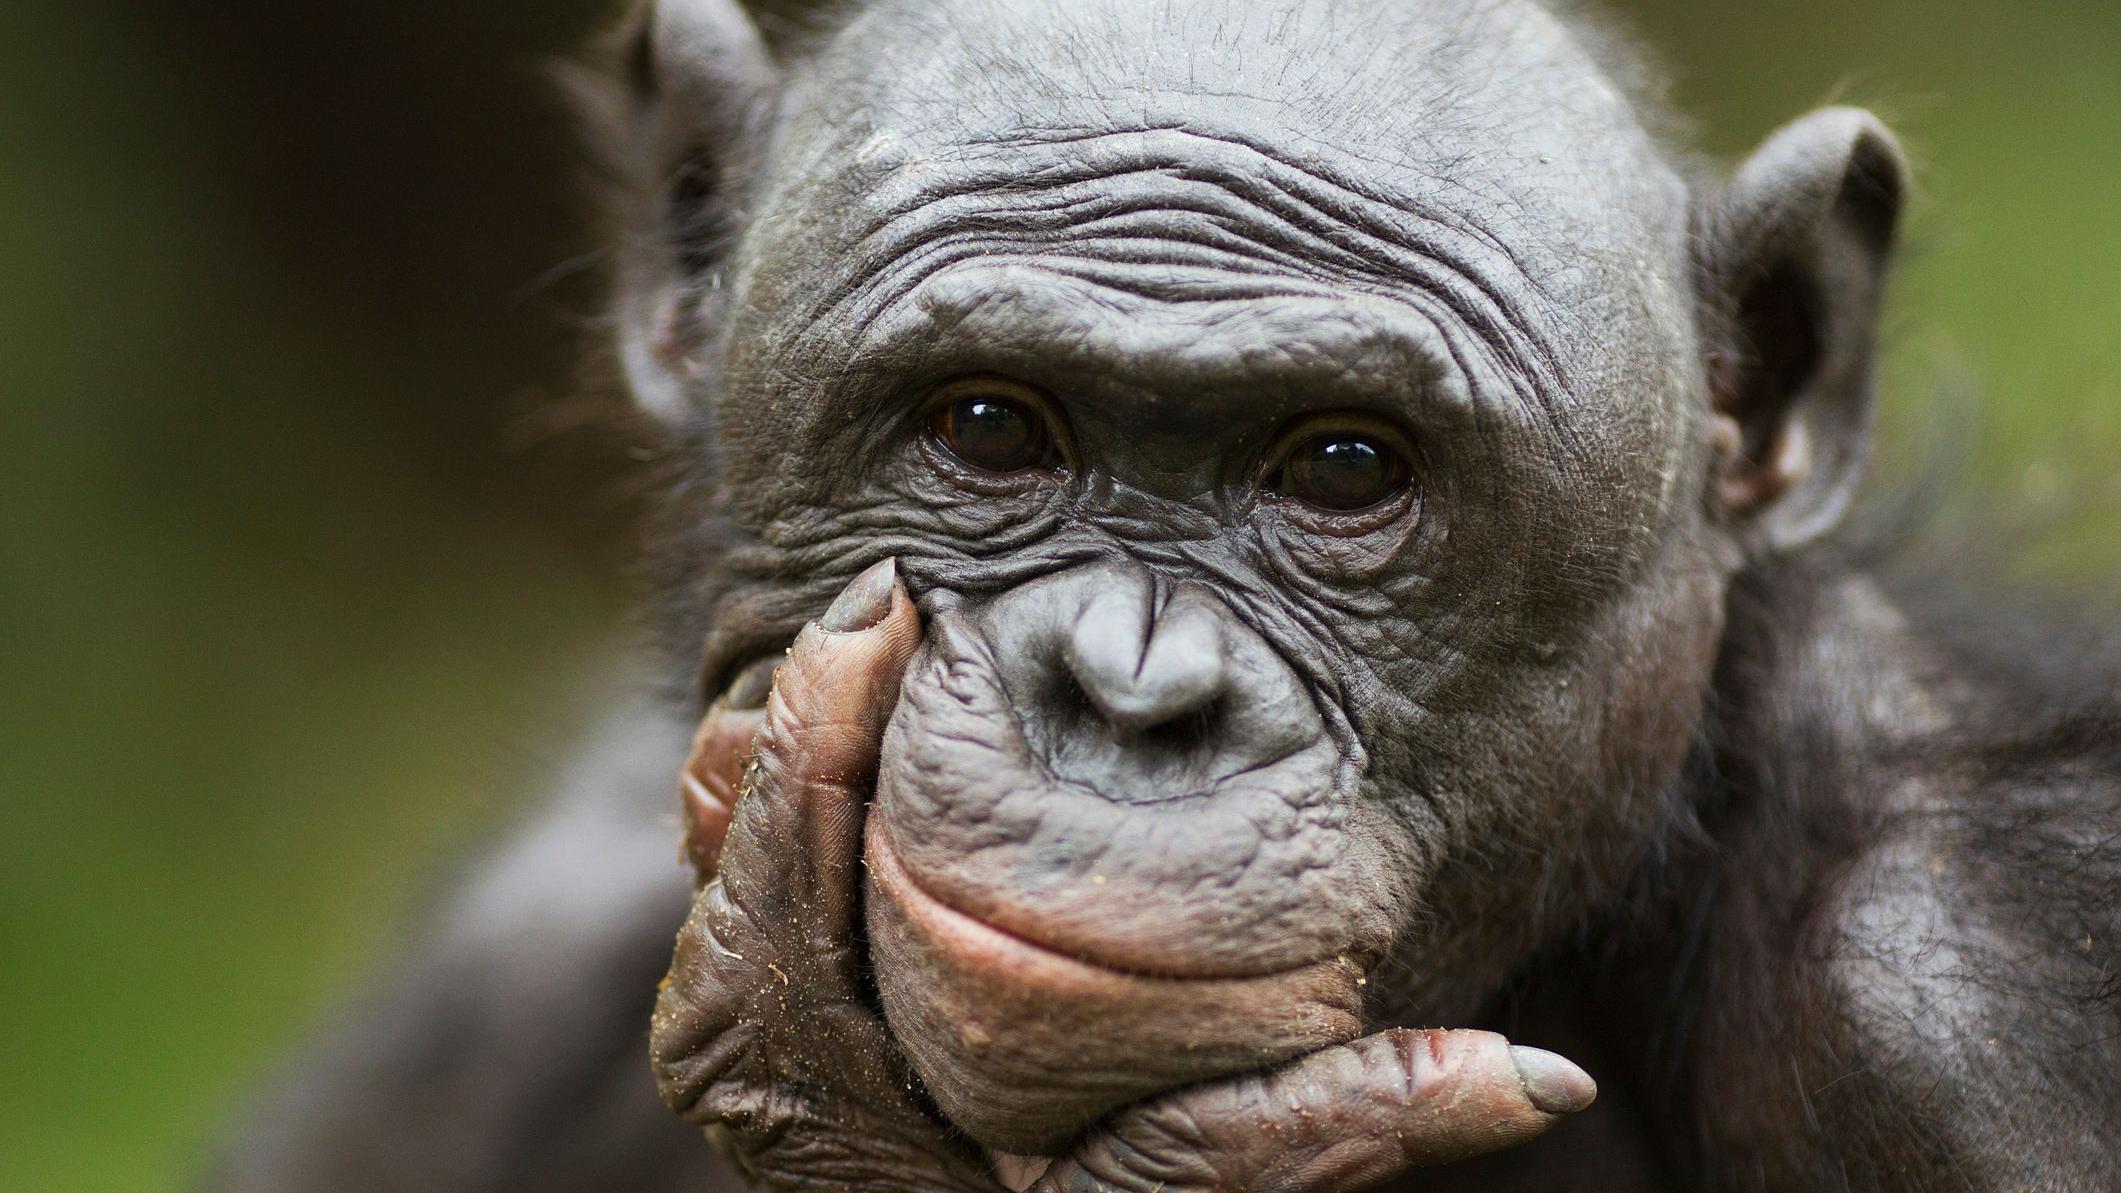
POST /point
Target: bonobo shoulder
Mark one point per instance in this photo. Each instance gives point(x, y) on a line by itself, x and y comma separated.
point(1966, 954)
point(1971, 968)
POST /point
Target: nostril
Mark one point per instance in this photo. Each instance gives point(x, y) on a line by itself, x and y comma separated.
point(1141, 677)
point(1182, 734)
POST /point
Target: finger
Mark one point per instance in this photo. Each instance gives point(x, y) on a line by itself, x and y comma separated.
point(770, 939)
point(721, 750)
point(792, 854)
point(1338, 1120)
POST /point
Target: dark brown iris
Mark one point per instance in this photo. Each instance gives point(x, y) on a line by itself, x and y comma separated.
point(1342, 471)
point(994, 433)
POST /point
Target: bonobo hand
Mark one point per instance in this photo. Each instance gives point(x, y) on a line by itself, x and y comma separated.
point(762, 1034)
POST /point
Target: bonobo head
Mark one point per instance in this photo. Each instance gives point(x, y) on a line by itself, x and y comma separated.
point(1319, 436)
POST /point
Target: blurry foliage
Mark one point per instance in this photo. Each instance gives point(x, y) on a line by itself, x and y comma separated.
point(282, 620)
point(302, 570)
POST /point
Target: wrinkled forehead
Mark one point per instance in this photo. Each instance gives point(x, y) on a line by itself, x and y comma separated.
point(1423, 103)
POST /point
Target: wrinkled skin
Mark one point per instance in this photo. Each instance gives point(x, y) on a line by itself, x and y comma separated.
point(1133, 818)
point(1183, 760)
point(762, 1030)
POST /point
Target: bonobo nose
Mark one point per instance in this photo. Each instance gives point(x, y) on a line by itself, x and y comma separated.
point(1140, 689)
point(1142, 666)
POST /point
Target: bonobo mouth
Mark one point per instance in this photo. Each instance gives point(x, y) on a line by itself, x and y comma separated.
point(1022, 1046)
point(1109, 856)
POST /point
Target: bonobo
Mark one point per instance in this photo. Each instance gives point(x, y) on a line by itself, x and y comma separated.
point(1308, 534)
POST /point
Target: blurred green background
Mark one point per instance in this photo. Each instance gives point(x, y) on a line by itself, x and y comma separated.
point(309, 554)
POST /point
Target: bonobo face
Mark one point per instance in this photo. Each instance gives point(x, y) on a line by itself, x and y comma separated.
point(1290, 422)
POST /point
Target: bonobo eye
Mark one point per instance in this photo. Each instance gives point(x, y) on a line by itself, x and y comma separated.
point(994, 426)
point(1341, 471)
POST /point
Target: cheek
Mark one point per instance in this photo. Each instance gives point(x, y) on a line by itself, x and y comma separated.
point(1661, 658)
point(1541, 785)
point(1585, 732)
point(1526, 748)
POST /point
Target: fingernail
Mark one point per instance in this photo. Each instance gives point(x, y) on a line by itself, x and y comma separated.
point(751, 686)
point(1553, 1083)
point(864, 602)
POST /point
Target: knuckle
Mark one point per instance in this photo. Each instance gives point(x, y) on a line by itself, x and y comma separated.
point(1421, 1061)
point(705, 1022)
point(1164, 1149)
point(695, 1056)
point(1171, 1130)
point(756, 1117)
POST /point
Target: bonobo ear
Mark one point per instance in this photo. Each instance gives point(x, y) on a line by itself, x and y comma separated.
point(1796, 248)
point(686, 93)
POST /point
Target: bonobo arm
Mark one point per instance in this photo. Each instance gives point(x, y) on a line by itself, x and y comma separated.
point(1969, 985)
point(1940, 1007)
point(763, 1037)
point(505, 1051)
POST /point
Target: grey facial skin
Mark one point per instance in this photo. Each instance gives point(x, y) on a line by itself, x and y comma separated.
point(1182, 789)
point(1189, 258)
